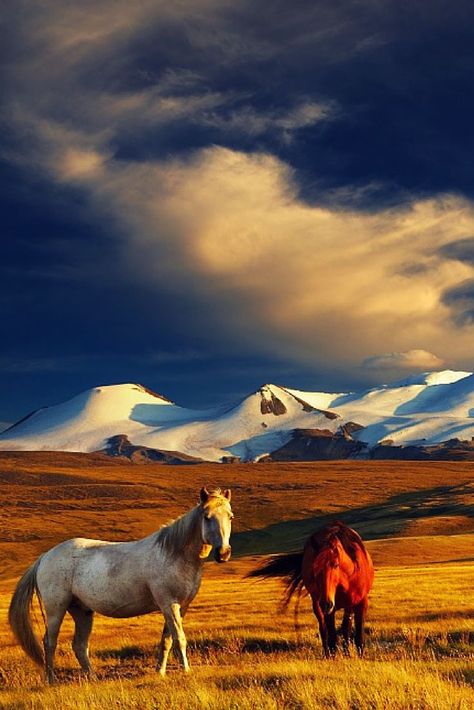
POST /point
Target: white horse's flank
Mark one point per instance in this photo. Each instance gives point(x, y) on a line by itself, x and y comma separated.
point(122, 579)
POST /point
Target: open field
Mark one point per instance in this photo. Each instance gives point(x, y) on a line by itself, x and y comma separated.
point(49, 497)
point(418, 518)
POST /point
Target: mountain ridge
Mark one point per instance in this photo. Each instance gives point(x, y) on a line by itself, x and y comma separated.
point(421, 410)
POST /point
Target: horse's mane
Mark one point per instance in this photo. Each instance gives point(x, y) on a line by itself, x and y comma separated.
point(349, 539)
point(178, 534)
point(174, 537)
point(323, 559)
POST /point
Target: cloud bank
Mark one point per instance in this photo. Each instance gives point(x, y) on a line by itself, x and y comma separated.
point(224, 222)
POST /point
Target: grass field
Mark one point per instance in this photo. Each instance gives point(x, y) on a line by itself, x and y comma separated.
point(417, 517)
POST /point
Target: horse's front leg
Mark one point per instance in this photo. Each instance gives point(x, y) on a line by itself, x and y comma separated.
point(360, 612)
point(332, 635)
point(164, 649)
point(172, 614)
point(323, 630)
point(346, 630)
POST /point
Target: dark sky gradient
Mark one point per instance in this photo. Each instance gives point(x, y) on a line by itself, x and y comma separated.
point(395, 83)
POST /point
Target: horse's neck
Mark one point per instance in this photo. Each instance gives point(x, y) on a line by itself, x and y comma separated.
point(183, 537)
point(192, 538)
point(346, 561)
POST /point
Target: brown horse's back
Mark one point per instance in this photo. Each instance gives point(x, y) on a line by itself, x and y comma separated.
point(349, 538)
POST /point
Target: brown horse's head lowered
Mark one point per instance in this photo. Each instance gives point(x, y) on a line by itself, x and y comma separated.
point(330, 570)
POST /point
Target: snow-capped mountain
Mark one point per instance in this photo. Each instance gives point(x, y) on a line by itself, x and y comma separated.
point(259, 424)
point(421, 409)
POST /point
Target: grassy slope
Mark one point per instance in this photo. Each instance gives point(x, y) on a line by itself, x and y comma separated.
point(420, 622)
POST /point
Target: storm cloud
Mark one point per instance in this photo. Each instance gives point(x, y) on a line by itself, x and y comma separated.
point(225, 184)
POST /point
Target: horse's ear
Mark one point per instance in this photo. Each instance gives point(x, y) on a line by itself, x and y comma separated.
point(204, 494)
point(227, 494)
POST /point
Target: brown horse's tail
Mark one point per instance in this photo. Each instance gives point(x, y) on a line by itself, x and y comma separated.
point(286, 566)
point(19, 614)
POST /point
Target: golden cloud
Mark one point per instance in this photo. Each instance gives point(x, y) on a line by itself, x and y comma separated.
point(323, 284)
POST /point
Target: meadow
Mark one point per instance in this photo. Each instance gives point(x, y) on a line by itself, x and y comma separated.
point(419, 523)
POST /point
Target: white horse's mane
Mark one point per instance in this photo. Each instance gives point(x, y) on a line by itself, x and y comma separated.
point(178, 534)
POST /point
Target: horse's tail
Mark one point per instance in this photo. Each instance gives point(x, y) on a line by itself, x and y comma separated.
point(286, 566)
point(19, 614)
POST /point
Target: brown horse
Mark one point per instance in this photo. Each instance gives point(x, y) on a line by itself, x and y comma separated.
point(336, 570)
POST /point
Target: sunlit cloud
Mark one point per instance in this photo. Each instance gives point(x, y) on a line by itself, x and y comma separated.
point(229, 228)
point(409, 360)
point(317, 283)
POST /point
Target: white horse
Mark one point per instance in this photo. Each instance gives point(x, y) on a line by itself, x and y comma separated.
point(122, 579)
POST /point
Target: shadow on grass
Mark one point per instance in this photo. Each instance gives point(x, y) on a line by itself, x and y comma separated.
point(271, 682)
point(467, 674)
point(245, 645)
point(457, 559)
point(381, 520)
point(438, 615)
point(126, 652)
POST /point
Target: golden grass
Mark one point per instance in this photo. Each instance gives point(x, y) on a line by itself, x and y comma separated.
point(419, 652)
point(243, 654)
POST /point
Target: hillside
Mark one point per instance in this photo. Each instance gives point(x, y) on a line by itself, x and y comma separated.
point(49, 496)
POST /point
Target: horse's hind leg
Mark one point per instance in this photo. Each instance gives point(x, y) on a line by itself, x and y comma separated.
point(83, 619)
point(346, 630)
point(164, 649)
point(54, 619)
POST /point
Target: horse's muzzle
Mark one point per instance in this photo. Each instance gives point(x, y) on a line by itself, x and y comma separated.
point(222, 554)
point(328, 607)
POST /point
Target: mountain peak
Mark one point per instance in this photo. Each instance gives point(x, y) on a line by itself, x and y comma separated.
point(127, 388)
point(435, 377)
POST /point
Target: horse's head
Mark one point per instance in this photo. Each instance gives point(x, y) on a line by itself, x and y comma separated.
point(329, 568)
point(216, 524)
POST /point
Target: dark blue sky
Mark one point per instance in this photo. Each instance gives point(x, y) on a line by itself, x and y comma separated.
point(206, 197)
